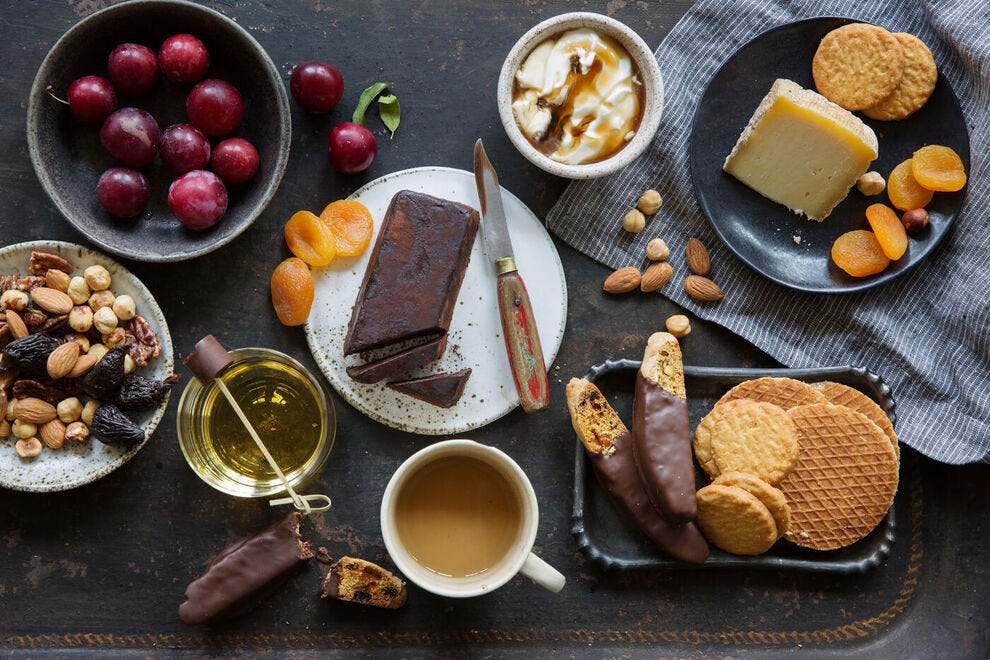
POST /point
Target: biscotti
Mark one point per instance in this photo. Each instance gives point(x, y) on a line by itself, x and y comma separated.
point(360, 581)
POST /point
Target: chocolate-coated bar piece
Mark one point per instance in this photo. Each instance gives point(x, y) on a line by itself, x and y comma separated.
point(245, 573)
point(442, 390)
point(414, 273)
point(662, 447)
point(399, 363)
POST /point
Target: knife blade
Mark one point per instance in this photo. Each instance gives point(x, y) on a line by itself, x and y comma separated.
point(522, 339)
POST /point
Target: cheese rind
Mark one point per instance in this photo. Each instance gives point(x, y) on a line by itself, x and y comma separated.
point(801, 150)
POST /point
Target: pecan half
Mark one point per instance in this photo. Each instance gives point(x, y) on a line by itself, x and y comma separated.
point(34, 319)
point(28, 282)
point(31, 388)
point(42, 261)
point(54, 323)
point(145, 335)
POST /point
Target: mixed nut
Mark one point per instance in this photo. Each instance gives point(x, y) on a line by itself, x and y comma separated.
point(68, 350)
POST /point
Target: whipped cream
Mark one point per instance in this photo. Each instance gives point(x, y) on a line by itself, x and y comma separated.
point(578, 97)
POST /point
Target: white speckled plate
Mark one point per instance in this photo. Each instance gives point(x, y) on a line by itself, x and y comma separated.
point(69, 467)
point(475, 337)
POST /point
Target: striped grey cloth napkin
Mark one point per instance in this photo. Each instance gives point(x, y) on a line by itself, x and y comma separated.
point(928, 333)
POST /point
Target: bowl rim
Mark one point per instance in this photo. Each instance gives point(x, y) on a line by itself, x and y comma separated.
point(38, 93)
point(637, 49)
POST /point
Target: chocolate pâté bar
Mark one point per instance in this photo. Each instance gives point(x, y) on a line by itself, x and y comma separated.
point(415, 272)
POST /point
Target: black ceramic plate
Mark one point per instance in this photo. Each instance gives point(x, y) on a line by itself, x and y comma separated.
point(761, 232)
point(609, 544)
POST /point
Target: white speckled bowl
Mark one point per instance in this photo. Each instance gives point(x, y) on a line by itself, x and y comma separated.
point(649, 70)
point(77, 465)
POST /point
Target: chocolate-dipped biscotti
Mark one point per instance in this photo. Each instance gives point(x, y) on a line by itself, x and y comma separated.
point(608, 444)
point(415, 272)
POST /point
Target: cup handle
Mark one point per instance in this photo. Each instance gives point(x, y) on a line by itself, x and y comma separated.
point(543, 573)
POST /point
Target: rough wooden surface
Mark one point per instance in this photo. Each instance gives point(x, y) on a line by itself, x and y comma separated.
point(105, 566)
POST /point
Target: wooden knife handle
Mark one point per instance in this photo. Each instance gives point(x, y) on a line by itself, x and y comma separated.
point(522, 342)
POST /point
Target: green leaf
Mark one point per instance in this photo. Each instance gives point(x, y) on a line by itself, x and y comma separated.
point(367, 96)
point(388, 108)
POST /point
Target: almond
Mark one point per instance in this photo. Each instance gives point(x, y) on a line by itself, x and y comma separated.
point(656, 276)
point(57, 279)
point(62, 359)
point(52, 300)
point(53, 433)
point(34, 411)
point(17, 328)
point(82, 365)
point(623, 280)
point(702, 288)
point(696, 255)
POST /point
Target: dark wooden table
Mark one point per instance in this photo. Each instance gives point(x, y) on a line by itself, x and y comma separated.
point(103, 567)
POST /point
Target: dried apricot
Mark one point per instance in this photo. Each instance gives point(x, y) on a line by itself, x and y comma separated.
point(904, 191)
point(859, 253)
point(310, 239)
point(938, 168)
point(888, 229)
point(351, 224)
point(292, 291)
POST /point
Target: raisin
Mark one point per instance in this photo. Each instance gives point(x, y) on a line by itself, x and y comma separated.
point(888, 229)
point(292, 291)
point(310, 239)
point(140, 393)
point(938, 168)
point(113, 427)
point(904, 191)
point(351, 224)
point(858, 252)
point(105, 376)
point(29, 354)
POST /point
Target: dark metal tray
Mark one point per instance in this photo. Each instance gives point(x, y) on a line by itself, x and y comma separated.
point(610, 545)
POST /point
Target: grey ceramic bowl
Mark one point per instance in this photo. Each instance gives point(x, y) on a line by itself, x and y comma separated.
point(67, 155)
point(640, 53)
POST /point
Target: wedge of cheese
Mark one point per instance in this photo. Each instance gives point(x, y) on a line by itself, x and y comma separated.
point(801, 150)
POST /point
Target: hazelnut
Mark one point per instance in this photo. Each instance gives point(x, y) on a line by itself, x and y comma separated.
point(657, 250)
point(105, 321)
point(69, 410)
point(97, 277)
point(124, 307)
point(28, 447)
point(78, 290)
point(81, 318)
point(88, 410)
point(82, 340)
point(871, 184)
point(101, 299)
point(634, 221)
point(129, 364)
point(915, 220)
point(649, 202)
point(14, 299)
point(97, 351)
point(115, 337)
point(23, 429)
point(76, 432)
point(678, 325)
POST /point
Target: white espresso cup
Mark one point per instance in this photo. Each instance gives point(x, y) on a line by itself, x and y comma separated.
point(450, 532)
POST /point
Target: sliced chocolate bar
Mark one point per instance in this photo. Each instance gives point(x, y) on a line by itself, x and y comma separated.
point(399, 363)
point(415, 272)
point(442, 390)
point(245, 573)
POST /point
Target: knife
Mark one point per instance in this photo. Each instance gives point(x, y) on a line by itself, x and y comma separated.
point(522, 340)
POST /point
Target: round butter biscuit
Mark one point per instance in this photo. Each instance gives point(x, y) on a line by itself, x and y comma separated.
point(772, 498)
point(735, 520)
point(754, 437)
point(917, 82)
point(858, 65)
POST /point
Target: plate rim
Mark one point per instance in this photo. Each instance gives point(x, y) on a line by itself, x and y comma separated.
point(854, 287)
point(167, 362)
point(549, 358)
point(608, 562)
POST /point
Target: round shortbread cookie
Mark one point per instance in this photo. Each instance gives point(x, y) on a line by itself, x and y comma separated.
point(772, 498)
point(783, 392)
point(857, 65)
point(843, 395)
point(751, 436)
point(845, 478)
point(917, 82)
point(735, 520)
